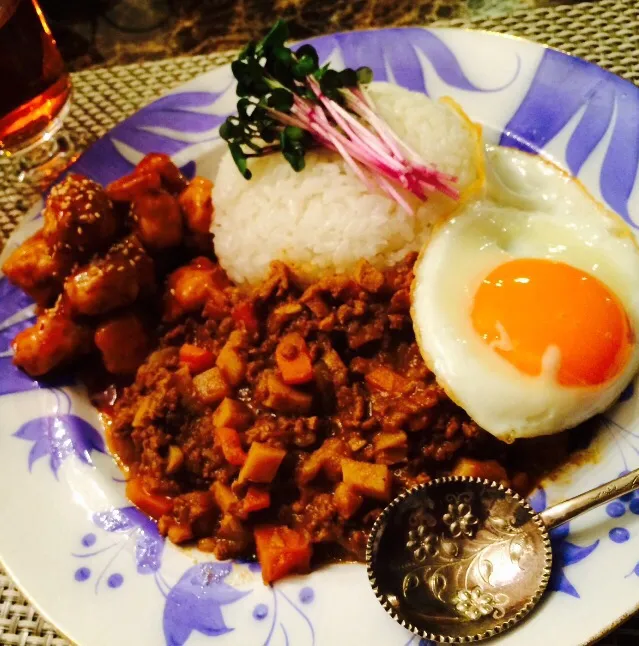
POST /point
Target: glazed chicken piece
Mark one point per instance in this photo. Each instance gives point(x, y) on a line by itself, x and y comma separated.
point(113, 281)
point(196, 203)
point(79, 218)
point(170, 175)
point(36, 270)
point(190, 287)
point(124, 343)
point(157, 218)
point(53, 340)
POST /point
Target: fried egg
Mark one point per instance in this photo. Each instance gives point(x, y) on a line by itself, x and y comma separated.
point(525, 303)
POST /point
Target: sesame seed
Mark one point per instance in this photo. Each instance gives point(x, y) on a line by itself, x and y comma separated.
point(79, 231)
point(121, 268)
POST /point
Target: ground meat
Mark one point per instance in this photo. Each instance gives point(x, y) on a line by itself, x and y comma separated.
point(308, 376)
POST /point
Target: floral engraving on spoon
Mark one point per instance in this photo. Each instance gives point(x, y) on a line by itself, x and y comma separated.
point(455, 555)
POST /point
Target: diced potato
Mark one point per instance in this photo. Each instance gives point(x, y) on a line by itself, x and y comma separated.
point(225, 499)
point(230, 360)
point(371, 480)
point(335, 364)
point(484, 469)
point(281, 551)
point(328, 458)
point(284, 398)
point(390, 447)
point(232, 413)
point(175, 459)
point(386, 380)
point(347, 500)
point(261, 464)
point(211, 386)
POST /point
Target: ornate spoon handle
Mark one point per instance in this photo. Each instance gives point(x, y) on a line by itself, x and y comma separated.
point(564, 511)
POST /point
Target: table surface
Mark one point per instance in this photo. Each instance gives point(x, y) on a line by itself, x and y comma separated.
point(112, 32)
point(605, 32)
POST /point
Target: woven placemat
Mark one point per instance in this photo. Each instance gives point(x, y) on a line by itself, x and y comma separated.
point(604, 32)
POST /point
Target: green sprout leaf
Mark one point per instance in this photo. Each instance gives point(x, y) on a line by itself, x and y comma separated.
point(364, 75)
point(240, 160)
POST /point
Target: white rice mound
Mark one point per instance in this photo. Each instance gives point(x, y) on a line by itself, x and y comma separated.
point(324, 219)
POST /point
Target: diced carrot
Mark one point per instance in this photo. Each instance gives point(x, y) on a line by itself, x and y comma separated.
point(225, 499)
point(281, 551)
point(244, 313)
point(371, 480)
point(346, 499)
point(127, 188)
point(255, 500)
point(197, 359)
point(262, 463)
point(229, 440)
point(386, 380)
point(211, 386)
point(232, 413)
point(151, 504)
point(294, 360)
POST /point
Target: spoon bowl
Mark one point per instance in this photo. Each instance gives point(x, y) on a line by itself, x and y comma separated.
point(459, 559)
point(462, 559)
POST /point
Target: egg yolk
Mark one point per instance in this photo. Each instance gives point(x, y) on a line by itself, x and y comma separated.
point(528, 309)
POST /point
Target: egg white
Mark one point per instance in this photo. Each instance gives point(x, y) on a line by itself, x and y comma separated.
point(530, 209)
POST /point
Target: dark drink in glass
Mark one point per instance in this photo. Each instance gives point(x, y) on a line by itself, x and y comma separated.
point(34, 84)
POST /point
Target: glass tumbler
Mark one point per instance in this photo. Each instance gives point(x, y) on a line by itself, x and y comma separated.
point(35, 93)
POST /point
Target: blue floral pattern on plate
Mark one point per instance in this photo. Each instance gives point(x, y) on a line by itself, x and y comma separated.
point(128, 524)
point(600, 101)
point(60, 436)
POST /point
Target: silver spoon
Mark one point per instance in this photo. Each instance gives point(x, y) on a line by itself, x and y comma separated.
point(463, 559)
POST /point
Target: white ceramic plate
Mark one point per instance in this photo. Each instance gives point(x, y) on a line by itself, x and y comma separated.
point(98, 569)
